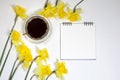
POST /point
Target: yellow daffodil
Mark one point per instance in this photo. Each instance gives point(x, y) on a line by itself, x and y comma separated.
point(43, 71)
point(27, 60)
point(15, 36)
point(74, 16)
point(23, 50)
point(60, 70)
point(48, 11)
point(43, 55)
point(60, 9)
point(20, 11)
point(24, 55)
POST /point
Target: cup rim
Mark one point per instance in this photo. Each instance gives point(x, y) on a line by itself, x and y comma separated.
point(45, 36)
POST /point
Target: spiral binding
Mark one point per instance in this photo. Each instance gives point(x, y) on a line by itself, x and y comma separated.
point(88, 23)
point(85, 23)
point(67, 23)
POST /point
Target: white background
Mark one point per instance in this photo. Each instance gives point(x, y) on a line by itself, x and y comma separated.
point(105, 14)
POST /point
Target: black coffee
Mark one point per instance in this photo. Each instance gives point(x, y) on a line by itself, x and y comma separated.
point(36, 28)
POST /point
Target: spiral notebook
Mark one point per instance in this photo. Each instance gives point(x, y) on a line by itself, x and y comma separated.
point(77, 41)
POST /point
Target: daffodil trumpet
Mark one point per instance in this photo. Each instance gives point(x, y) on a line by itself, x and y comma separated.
point(20, 11)
point(3, 52)
point(30, 67)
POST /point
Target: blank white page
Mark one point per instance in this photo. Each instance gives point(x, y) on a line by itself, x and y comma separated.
point(77, 41)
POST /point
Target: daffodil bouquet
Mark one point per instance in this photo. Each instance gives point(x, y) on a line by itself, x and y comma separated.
point(59, 10)
point(43, 70)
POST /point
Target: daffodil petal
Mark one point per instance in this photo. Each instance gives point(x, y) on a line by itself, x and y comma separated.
point(20, 11)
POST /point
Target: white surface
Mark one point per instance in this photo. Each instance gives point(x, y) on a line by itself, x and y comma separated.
point(77, 41)
point(106, 15)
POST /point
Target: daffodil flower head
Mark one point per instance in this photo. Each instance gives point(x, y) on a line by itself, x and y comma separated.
point(42, 71)
point(43, 53)
point(60, 70)
point(24, 55)
point(48, 11)
point(16, 37)
point(74, 16)
point(20, 11)
point(23, 49)
point(60, 9)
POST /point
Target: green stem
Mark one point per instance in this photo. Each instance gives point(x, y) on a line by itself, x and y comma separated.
point(46, 4)
point(30, 67)
point(56, 2)
point(32, 76)
point(13, 67)
point(3, 52)
point(5, 59)
point(15, 70)
point(74, 9)
point(50, 74)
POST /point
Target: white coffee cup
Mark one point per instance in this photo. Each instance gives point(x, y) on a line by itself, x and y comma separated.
point(44, 36)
